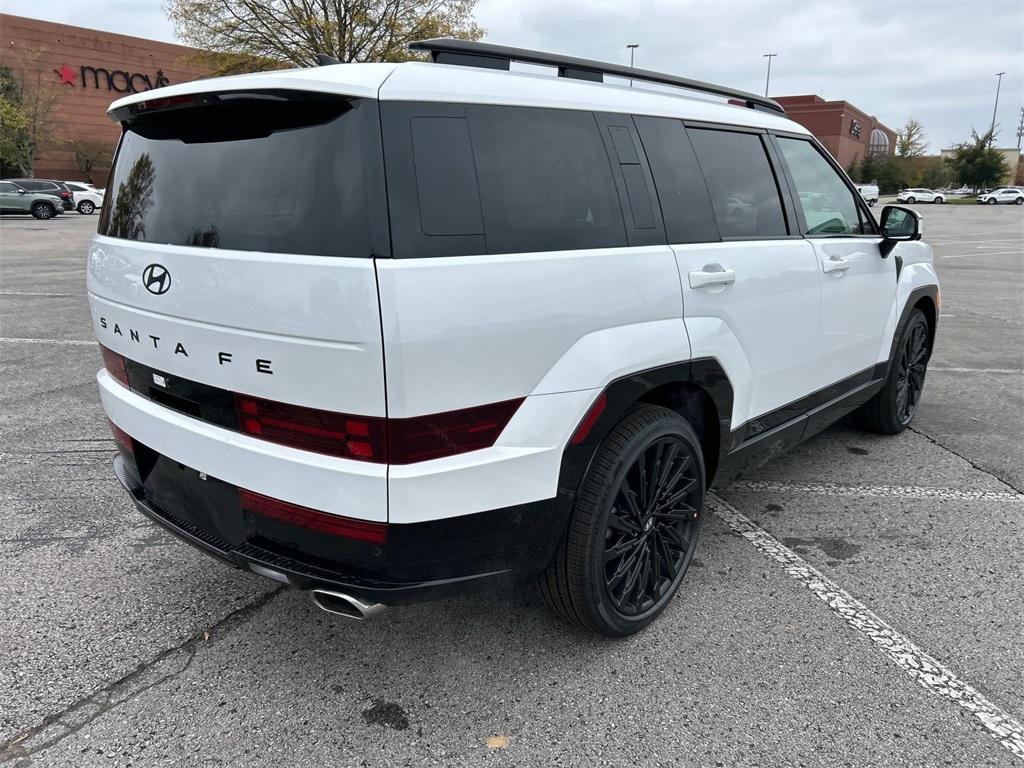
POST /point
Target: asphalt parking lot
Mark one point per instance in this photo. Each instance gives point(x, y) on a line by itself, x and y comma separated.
point(858, 602)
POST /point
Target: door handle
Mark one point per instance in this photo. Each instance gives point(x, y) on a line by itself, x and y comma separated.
point(835, 264)
point(712, 274)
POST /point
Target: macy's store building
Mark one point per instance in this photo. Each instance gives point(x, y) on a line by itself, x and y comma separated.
point(82, 71)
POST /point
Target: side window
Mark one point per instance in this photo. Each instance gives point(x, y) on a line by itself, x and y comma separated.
point(545, 180)
point(741, 183)
point(445, 177)
point(6, 186)
point(685, 204)
point(828, 204)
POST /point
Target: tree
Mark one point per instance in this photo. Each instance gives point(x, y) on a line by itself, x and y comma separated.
point(976, 164)
point(37, 96)
point(133, 199)
point(91, 155)
point(249, 35)
point(910, 142)
point(12, 122)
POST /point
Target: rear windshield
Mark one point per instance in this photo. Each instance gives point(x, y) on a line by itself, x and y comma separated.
point(281, 173)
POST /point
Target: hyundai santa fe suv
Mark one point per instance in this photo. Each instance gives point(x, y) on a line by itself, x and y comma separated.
point(543, 315)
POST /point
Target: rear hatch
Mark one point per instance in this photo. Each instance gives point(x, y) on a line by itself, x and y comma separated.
point(233, 266)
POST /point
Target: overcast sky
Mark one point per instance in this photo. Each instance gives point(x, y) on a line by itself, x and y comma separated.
point(897, 59)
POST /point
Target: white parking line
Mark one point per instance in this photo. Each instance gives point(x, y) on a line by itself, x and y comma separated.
point(33, 293)
point(45, 341)
point(894, 491)
point(981, 253)
point(976, 370)
point(919, 665)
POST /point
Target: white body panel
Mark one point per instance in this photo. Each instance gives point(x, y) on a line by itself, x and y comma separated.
point(764, 327)
point(314, 318)
point(858, 287)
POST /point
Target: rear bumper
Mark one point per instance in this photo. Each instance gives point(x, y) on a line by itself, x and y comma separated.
point(421, 561)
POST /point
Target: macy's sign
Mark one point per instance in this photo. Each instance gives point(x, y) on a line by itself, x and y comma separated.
point(114, 79)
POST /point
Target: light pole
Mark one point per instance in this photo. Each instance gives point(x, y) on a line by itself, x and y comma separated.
point(992, 130)
point(768, 77)
point(1020, 128)
point(632, 49)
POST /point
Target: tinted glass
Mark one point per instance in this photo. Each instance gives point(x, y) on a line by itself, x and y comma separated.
point(38, 185)
point(76, 188)
point(545, 180)
point(682, 192)
point(6, 186)
point(252, 172)
point(741, 183)
point(449, 203)
point(828, 204)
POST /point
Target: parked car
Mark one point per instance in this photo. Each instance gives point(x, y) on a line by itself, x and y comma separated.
point(87, 197)
point(869, 192)
point(15, 199)
point(1006, 195)
point(58, 188)
point(483, 364)
point(920, 195)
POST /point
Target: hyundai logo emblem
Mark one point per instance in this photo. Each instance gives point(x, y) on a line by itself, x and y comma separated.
point(156, 278)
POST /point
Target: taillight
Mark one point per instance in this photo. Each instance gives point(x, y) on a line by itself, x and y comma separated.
point(115, 366)
point(371, 438)
point(363, 438)
point(312, 519)
point(446, 434)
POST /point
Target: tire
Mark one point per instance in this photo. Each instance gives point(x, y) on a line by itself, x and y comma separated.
point(86, 207)
point(1019, 201)
point(991, 201)
point(892, 409)
point(619, 563)
point(911, 199)
point(871, 203)
point(938, 201)
point(43, 210)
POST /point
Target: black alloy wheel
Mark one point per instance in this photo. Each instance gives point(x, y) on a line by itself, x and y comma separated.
point(911, 365)
point(634, 526)
point(893, 408)
point(650, 527)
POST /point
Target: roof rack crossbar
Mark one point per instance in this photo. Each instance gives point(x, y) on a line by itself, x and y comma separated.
point(451, 51)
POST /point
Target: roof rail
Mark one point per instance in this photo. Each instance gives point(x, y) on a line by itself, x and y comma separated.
point(470, 53)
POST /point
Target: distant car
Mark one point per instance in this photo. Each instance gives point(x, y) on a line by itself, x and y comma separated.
point(15, 199)
point(52, 186)
point(87, 197)
point(920, 195)
point(1007, 195)
point(869, 192)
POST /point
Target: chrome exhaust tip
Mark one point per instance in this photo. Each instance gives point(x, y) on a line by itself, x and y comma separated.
point(342, 604)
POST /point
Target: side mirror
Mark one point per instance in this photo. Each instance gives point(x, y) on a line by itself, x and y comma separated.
point(899, 225)
point(21, 191)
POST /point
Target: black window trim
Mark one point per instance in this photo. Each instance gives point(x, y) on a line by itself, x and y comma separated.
point(858, 201)
point(781, 182)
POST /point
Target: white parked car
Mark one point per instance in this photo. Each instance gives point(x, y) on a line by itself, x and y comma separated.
point(1006, 195)
point(920, 195)
point(869, 192)
point(483, 364)
point(87, 197)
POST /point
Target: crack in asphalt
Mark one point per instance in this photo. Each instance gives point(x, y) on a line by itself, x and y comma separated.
point(981, 469)
point(87, 709)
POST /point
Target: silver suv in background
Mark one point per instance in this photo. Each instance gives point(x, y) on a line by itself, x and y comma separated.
point(1007, 195)
point(15, 200)
point(920, 195)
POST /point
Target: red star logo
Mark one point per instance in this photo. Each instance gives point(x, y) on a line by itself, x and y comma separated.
point(66, 75)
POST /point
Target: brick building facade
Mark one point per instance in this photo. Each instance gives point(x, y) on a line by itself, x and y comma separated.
point(87, 69)
point(846, 132)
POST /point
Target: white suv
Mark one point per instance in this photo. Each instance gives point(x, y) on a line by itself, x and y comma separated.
point(544, 314)
point(87, 197)
point(1006, 195)
point(920, 195)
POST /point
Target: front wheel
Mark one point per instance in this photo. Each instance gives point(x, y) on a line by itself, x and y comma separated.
point(991, 201)
point(86, 207)
point(893, 408)
point(939, 201)
point(1019, 201)
point(633, 528)
point(911, 199)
